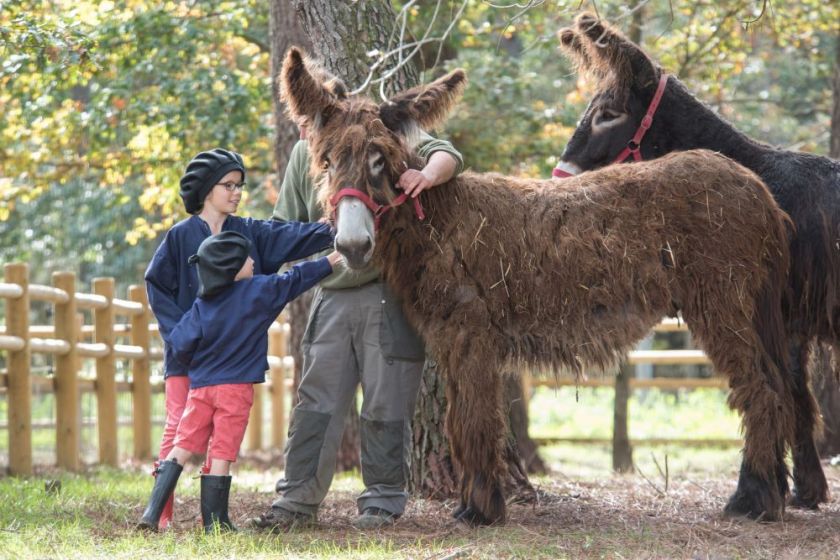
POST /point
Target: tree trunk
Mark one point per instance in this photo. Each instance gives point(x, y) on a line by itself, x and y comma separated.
point(343, 32)
point(834, 142)
point(432, 472)
point(284, 31)
point(827, 390)
point(518, 419)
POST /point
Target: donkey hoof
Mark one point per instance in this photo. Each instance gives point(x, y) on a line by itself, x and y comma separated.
point(472, 517)
point(742, 506)
point(803, 502)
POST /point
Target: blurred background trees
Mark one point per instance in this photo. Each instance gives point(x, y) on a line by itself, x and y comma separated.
point(103, 103)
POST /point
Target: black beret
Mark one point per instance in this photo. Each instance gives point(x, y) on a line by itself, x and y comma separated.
point(203, 172)
point(219, 259)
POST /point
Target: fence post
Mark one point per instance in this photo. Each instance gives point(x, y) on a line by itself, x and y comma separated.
point(622, 451)
point(66, 376)
point(277, 347)
point(19, 397)
point(254, 432)
point(141, 389)
point(106, 371)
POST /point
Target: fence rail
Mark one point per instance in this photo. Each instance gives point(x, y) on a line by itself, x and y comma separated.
point(69, 340)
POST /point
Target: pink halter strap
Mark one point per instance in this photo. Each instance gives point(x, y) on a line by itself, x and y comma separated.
point(634, 145)
point(377, 209)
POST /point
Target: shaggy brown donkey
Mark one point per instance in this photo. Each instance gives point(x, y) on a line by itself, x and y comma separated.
point(503, 271)
point(807, 187)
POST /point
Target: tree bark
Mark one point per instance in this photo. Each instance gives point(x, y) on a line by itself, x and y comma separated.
point(526, 448)
point(432, 472)
point(834, 142)
point(343, 32)
point(284, 31)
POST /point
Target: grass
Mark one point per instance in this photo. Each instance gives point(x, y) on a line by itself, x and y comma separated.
point(585, 511)
point(610, 517)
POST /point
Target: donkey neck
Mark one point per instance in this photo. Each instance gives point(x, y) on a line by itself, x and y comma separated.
point(406, 244)
point(692, 125)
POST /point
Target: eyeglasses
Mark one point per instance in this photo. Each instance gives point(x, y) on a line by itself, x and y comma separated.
point(233, 187)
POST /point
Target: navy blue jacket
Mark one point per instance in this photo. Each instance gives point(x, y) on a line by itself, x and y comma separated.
point(172, 284)
point(223, 339)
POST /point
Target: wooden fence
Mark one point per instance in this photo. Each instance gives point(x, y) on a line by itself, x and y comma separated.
point(70, 340)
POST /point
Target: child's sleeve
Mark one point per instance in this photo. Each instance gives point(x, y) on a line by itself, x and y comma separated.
point(162, 288)
point(279, 242)
point(186, 336)
point(297, 280)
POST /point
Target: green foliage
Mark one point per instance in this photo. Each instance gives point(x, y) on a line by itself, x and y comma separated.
point(103, 108)
point(103, 103)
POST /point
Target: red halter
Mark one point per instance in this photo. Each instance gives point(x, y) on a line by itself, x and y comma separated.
point(377, 209)
point(635, 143)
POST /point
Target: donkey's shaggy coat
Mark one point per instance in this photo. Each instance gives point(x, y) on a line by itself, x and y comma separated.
point(806, 186)
point(562, 275)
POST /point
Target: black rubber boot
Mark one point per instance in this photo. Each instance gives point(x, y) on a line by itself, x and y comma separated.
point(165, 480)
point(215, 493)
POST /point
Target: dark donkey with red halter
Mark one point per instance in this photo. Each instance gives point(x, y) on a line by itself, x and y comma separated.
point(636, 95)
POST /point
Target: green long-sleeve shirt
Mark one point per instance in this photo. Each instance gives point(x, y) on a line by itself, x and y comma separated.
point(298, 202)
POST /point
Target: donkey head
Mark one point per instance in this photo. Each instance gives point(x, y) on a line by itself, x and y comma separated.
point(360, 147)
point(627, 81)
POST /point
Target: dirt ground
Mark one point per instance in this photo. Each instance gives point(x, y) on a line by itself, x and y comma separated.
point(618, 517)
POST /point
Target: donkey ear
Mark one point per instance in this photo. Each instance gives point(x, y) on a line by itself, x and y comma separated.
point(612, 52)
point(424, 106)
point(310, 98)
point(572, 46)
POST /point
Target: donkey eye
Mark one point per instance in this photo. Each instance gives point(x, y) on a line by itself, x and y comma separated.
point(607, 118)
point(376, 162)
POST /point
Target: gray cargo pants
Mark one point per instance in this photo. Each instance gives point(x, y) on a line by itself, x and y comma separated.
point(356, 335)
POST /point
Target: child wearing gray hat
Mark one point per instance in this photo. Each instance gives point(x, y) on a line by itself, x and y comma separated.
point(211, 190)
point(222, 344)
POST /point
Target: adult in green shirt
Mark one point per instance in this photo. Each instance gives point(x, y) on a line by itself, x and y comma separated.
point(356, 334)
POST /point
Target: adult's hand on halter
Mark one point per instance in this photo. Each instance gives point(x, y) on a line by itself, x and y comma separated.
point(413, 182)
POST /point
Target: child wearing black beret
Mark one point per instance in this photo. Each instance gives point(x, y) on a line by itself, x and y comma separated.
point(222, 344)
point(211, 190)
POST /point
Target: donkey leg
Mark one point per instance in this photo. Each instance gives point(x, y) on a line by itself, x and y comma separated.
point(757, 498)
point(476, 428)
point(759, 393)
point(762, 481)
point(810, 487)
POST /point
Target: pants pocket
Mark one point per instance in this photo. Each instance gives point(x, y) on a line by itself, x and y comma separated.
point(311, 323)
point(306, 438)
point(398, 339)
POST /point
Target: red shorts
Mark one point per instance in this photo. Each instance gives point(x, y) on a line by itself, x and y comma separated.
point(218, 410)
